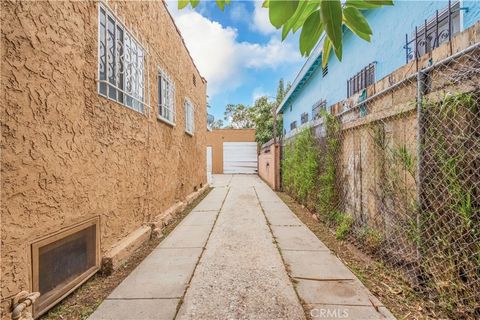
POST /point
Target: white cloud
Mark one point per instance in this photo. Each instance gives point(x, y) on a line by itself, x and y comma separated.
point(261, 21)
point(270, 55)
point(212, 48)
point(257, 93)
point(240, 13)
point(220, 57)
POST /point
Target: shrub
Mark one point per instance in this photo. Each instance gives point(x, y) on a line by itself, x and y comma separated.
point(300, 167)
point(345, 223)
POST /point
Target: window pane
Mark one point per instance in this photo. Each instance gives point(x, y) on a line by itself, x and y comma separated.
point(120, 65)
point(128, 64)
point(160, 95)
point(102, 50)
point(140, 73)
point(111, 55)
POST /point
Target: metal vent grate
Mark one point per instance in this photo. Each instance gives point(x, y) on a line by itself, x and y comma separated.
point(63, 261)
point(324, 71)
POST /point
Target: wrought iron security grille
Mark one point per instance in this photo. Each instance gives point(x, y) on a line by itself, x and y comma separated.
point(189, 117)
point(293, 125)
point(166, 97)
point(361, 80)
point(304, 118)
point(317, 107)
point(433, 32)
point(121, 61)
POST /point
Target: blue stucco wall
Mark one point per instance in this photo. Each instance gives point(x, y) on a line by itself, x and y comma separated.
point(389, 25)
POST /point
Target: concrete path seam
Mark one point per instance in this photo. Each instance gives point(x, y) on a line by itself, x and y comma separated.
point(280, 253)
point(172, 248)
point(180, 302)
point(166, 298)
point(323, 280)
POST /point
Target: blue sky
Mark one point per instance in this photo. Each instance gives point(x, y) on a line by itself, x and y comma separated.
point(239, 53)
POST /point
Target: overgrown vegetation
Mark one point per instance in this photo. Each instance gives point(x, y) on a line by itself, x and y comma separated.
point(310, 173)
point(300, 167)
point(451, 202)
point(328, 189)
point(426, 222)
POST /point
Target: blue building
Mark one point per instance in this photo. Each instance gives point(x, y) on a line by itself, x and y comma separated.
point(400, 32)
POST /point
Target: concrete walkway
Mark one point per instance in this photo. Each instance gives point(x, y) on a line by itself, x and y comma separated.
point(241, 254)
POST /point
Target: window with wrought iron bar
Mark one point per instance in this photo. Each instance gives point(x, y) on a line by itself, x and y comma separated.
point(361, 80)
point(293, 125)
point(304, 118)
point(318, 107)
point(166, 98)
point(434, 31)
point(121, 60)
point(189, 117)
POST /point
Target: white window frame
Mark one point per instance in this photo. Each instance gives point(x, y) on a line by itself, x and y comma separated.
point(166, 98)
point(189, 117)
point(121, 62)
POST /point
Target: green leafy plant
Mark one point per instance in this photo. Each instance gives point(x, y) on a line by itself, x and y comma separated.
point(327, 191)
point(263, 115)
point(300, 167)
point(371, 237)
point(344, 222)
point(315, 18)
point(239, 116)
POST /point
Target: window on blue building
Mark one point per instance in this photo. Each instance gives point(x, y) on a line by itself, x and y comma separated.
point(293, 125)
point(304, 118)
point(361, 80)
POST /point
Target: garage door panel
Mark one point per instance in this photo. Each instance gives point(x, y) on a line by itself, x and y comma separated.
point(239, 157)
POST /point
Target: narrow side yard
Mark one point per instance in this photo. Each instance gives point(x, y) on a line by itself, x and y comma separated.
point(83, 301)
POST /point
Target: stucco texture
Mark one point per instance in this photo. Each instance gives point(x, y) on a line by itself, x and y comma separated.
point(217, 137)
point(269, 164)
point(69, 154)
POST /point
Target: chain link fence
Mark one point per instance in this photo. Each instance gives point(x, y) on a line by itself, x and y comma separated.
point(399, 175)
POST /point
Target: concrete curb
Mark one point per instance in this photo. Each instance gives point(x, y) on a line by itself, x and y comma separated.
point(123, 249)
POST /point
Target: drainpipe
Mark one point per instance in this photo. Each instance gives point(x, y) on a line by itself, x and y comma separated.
point(21, 302)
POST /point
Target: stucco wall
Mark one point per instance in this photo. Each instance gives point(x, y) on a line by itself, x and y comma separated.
point(69, 154)
point(269, 164)
point(389, 25)
point(217, 137)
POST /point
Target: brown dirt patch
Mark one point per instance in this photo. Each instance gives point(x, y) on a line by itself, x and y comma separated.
point(82, 302)
point(386, 283)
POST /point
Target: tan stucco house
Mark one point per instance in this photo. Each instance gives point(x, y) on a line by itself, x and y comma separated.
point(103, 134)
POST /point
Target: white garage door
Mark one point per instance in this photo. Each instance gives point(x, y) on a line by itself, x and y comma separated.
point(239, 157)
